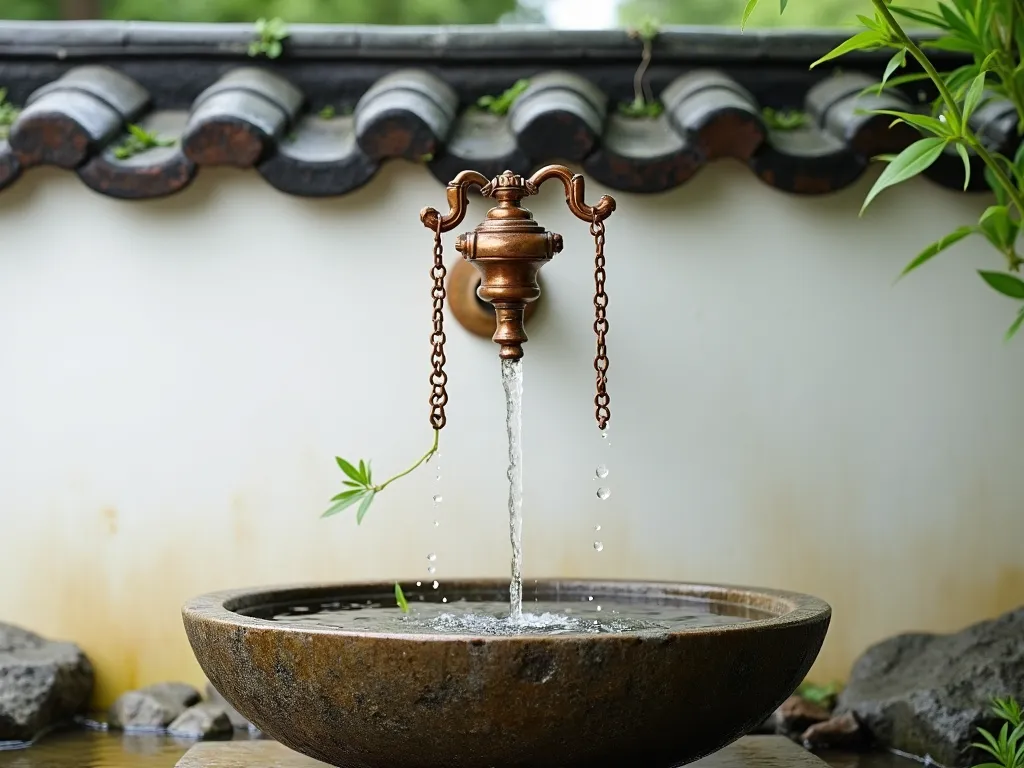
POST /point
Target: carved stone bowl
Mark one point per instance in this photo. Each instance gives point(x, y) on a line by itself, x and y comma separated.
point(376, 700)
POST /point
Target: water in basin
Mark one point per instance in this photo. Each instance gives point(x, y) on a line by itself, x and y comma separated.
point(477, 615)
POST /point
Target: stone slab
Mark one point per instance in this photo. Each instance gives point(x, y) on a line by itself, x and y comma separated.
point(748, 752)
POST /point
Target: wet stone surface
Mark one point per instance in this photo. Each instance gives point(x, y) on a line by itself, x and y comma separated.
point(98, 749)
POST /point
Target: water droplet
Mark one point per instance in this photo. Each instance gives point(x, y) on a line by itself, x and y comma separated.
point(438, 478)
point(436, 585)
point(598, 546)
point(599, 607)
point(444, 599)
point(438, 499)
point(419, 583)
point(590, 599)
point(431, 569)
point(604, 434)
point(597, 527)
point(431, 557)
point(436, 524)
point(603, 493)
point(601, 471)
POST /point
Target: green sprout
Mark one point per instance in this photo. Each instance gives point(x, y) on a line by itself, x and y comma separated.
point(362, 489)
point(644, 104)
point(822, 695)
point(326, 113)
point(784, 120)
point(400, 598)
point(8, 114)
point(1007, 748)
point(139, 140)
point(501, 104)
point(270, 34)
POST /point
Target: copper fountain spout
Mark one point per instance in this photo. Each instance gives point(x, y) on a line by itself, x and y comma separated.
point(509, 247)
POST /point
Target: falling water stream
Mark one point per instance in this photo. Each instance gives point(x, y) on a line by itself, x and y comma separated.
point(512, 380)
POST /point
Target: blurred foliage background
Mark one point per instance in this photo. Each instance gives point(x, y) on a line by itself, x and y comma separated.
point(801, 13)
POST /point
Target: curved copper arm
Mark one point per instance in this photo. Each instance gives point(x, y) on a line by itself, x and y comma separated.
point(574, 185)
point(457, 201)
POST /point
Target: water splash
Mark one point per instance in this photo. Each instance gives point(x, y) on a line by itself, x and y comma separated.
point(512, 381)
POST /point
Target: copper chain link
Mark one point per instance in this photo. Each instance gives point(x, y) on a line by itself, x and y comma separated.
point(601, 400)
point(438, 378)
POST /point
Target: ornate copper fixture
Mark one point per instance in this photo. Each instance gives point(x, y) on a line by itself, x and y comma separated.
point(508, 248)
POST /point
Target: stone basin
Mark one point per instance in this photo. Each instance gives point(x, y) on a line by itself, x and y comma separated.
point(387, 700)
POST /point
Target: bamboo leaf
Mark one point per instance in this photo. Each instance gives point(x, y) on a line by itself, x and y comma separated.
point(782, 5)
point(924, 122)
point(938, 247)
point(347, 494)
point(1011, 286)
point(362, 470)
point(928, 18)
point(343, 504)
point(916, 158)
point(899, 59)
point(995, 222)
point(749, 9)
point(867, 40)
point(1010, 333)
point(962, 150)
point(973, 97)
point(367, 500)
point(348, 469)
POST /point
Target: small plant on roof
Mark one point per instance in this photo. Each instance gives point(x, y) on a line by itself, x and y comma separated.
point(822, 695)
point(327, 112)
point(784, 120)
point(502, 103)
point(990, 36)
point(8, 114)
point(1006, 748)
point(644, 104)
point(270, 35)
point(139, 140)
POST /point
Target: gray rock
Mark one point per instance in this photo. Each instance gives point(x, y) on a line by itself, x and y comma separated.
point(842, 732)
point(796, 715)
point(203, 721)
point(236, 718)
point(152, 707)
point(42, 682)
point(928, 694)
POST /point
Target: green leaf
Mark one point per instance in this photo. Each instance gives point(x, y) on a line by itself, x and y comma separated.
point(962, 151)
point(938, 247)
point(867, 40)
point(274, 50)
point(400, 598)
point(927, 18)
point(348, 494)
point(782, 5)
point(996, 187)
point(998, 227)
point(907, 164)
point(1010, 333)
point(924, 122)
point(1011, 286)
point(369, 474)
point(367, 500)
point(898, 59)
point(950, 43)
point(973, 97)
point(362, 470)
point(345, 503)
point(138, 133)
point(348, 469)
point(350, 484)
point(749, 9)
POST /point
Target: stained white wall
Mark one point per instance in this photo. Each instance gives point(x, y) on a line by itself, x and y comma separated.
point(176, 376)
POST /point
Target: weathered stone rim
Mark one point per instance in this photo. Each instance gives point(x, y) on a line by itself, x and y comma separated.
point(790, 608)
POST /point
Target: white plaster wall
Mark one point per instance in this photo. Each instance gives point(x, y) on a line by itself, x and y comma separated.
point(176, 376)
